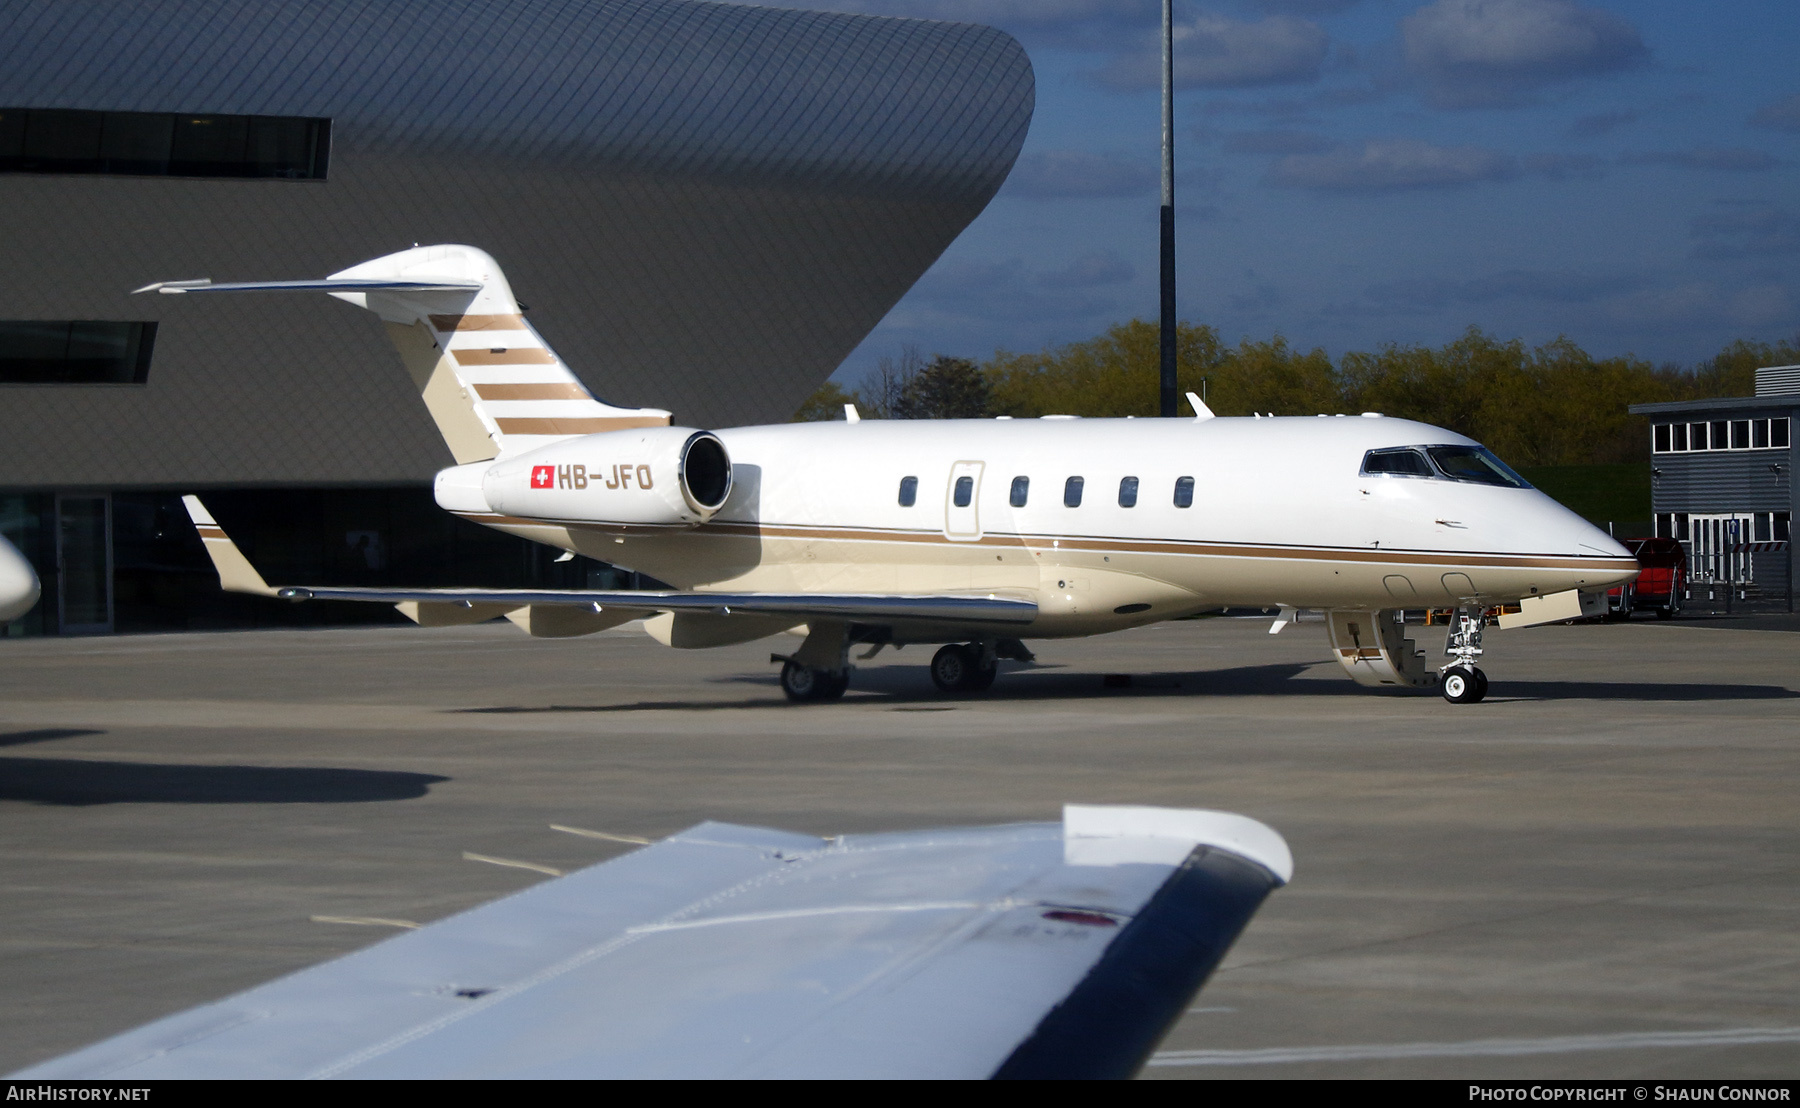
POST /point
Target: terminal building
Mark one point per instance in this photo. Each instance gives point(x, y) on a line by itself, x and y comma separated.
point(704, 207)
point(1722, 481)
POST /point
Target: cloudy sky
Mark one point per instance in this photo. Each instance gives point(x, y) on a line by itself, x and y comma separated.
point(1357, 172)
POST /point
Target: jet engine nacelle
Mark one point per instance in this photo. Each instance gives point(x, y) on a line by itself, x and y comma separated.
point(647, 476)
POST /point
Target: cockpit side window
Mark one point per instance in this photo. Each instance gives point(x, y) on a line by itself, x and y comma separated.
point(1475, 464)
point(1403, 461)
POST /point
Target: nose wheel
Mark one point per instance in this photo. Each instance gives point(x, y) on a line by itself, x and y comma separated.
point(963, 668)
point(1464, 686)
point(1462, 683)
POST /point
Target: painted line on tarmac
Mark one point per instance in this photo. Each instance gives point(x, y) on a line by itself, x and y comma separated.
point(1478, 1048)
point(368, 921)
point(606, 835)
point(512, 863)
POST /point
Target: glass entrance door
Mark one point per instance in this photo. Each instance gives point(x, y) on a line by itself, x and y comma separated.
point(1716, 552)
point(84, 564)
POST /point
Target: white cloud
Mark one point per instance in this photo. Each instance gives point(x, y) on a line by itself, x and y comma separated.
point(1387, 164)
point(1734, 159)
point(1487, 53)
point(1099, 267)
point(1065, 174)
point(1216, 52)
point(1780, 115)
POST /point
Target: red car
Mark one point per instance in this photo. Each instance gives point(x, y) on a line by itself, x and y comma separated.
point(1659, 583)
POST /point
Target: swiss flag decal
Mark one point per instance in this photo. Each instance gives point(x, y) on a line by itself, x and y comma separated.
point(543, 477)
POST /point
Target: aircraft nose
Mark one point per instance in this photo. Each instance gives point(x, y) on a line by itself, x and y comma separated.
point(1588, 541)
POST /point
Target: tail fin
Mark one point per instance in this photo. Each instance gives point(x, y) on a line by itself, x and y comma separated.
point(236, 574)
point(492, 384)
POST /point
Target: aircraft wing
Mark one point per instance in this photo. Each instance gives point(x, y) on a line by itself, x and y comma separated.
point(1021, 951)
point(802, 606)
point(237, 575)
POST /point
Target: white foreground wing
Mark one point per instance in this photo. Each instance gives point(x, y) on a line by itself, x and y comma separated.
point(1032, 950)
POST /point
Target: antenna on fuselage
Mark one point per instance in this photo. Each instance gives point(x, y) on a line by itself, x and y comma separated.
point(1201, 411)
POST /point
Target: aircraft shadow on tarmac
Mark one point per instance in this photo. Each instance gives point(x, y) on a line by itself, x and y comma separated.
point(77, 782)
point(905, 685)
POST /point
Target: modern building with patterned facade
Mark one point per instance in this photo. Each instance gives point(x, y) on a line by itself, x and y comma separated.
point(1722, 480)
point(703, 206)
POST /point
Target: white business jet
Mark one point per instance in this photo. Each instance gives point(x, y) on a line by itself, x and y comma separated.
point(978, 534)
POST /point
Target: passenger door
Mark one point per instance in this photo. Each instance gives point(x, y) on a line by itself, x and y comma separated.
point(962, 502)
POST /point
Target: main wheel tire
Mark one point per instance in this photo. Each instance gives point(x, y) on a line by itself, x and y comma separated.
point(1461, 685)
point(952, 667)
point(802, 683)
point(835, 685)
point(981, 679)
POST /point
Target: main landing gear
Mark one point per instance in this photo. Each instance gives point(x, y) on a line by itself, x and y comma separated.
point(965, 668)
point(1462, 683)
point(804, 683)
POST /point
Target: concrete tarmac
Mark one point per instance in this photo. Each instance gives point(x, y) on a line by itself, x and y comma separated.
point(1596, 873)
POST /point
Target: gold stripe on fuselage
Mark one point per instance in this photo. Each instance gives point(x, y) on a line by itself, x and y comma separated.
point(1093, 544)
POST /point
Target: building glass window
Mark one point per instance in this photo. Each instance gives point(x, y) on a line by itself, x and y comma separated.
point(81, 352)
point(1021, 488)
point(1128, 492)
point(1778, 432)
point(1072, 492)
point(1659, 438)
point(1680, 433)
point(1740, 434)
point(1696, 436)
point(909, 491)
point(163, 144)
point(1184, 492)
point(1720, 437)
point(1759, 434)
point(1759, 527)
point(1783, 525)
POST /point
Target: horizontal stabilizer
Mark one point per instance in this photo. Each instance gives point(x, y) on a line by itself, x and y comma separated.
point(1032, 950)
point(801, 606)
point(329, 284)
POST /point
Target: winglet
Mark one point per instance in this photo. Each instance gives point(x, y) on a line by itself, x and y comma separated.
point(1118, 834)
point(1201, 411)
point(236, 574)
point(173, 286)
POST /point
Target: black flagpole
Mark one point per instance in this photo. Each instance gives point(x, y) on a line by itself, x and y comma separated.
point(1168, 209)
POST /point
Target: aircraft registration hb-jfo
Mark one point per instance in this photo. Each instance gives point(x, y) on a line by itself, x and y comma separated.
point(978, 534)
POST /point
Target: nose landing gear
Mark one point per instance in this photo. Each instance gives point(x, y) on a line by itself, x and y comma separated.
point(1463, 683)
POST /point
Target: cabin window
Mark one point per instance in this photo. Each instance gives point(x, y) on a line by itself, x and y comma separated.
point(1021, 488)
point(909, 491)
point(1660, 442)
point(1072, 492)
point(965, 491)
point(1128, 492)
point(1184, 492)
point(1398, 462)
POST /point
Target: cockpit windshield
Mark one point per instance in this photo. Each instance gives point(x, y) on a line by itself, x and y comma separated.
point(1473, 464)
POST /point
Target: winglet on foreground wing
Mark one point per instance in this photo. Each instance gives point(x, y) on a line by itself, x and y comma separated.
point(236, 574)
point(742, 952)
point(328, 284)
